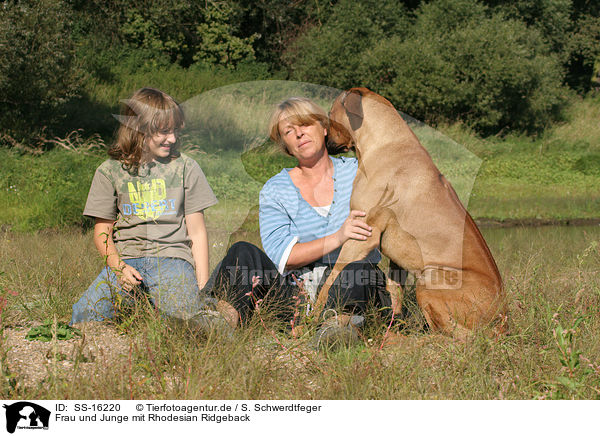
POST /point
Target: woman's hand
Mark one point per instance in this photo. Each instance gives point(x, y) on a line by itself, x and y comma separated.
point(304, 253)
point(354, 227)
point(128, 277)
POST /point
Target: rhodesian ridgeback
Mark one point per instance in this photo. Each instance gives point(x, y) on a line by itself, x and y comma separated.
point(417, 219)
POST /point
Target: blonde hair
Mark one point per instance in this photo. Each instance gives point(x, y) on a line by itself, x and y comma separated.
point(298, 110)
point(147, 112)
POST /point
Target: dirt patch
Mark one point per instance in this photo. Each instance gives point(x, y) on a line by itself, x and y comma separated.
point(31, 362)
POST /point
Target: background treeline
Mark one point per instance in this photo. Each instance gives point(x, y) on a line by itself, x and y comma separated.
point(493, 65)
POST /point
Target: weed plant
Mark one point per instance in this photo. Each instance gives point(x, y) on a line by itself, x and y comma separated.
point(551, 350)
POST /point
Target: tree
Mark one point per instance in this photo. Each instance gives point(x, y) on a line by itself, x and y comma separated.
point(38, 72)
point(330, 54)
point(219, 43)
point(456, 61)
point(277, 23)
point(571, 27)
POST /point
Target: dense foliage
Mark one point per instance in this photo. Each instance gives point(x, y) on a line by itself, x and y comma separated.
point(496, 68)
point(332, 54)
point(38, 71)
point(570, 27)
point(496, 65)
point(459, 64)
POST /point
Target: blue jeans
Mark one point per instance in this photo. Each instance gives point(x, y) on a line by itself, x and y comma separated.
point(170, 284)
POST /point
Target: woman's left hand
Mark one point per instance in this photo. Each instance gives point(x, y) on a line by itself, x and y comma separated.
point(354, 227)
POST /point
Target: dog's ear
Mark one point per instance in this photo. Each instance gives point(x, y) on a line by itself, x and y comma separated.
point(353, 104)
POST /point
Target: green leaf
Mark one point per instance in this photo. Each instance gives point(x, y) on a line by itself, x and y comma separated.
point(569, 383)
point(43, 332)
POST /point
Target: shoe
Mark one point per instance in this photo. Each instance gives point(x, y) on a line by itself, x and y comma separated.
point(208, 321)
point(338, 330)
point(208, 303)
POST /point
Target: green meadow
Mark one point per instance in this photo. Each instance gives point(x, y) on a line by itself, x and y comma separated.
point(550, 274)
point(551, 350)
point(552, 177)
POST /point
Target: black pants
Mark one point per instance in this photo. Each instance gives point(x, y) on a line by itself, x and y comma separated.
point(358, 286)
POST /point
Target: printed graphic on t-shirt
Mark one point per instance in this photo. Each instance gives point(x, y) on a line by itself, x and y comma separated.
point(148, 200)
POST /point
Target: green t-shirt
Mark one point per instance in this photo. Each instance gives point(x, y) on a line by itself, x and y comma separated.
point(150, 208)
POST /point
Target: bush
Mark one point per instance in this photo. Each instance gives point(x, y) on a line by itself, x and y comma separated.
point(220, 44)
point(331, 54)
point(572, 28)
point(38, 72)
point(552, 18)
point(588, 164)
point(583, 50)
point(461, 65)
point(457, 61)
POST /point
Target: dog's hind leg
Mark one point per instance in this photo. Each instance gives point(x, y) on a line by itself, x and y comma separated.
point(447, 311)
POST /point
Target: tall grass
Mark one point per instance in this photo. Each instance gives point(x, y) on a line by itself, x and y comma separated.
point(47, 191)
point(128, 72)
point(513, 177)
point(552, 349)
point(552, 176)
point(582, 125)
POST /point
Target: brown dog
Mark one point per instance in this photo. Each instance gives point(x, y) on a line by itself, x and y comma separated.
point(417, 219)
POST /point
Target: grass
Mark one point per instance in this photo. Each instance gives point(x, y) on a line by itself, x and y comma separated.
point(525, 183)
point(124, 73)
point(552, 177)
point(552, 350)
point(47, 259)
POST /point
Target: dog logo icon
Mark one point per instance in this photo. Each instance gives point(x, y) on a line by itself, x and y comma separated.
point(26, 415)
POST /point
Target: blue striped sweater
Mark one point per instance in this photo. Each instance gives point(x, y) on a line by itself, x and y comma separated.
point(286, 218)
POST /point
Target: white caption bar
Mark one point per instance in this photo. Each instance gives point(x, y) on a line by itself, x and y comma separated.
point(27, 417)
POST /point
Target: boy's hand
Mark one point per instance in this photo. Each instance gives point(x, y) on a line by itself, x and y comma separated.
point(128, 277)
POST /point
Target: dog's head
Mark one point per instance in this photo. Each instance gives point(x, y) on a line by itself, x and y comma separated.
point(345, 117)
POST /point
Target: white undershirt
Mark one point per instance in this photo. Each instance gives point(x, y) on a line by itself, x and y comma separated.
point(322, 210)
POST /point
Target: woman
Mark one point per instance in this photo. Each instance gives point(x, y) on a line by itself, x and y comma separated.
point(305, 218)
point(148, 201)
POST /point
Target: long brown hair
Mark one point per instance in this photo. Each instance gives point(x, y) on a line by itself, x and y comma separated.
point(147, 112)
